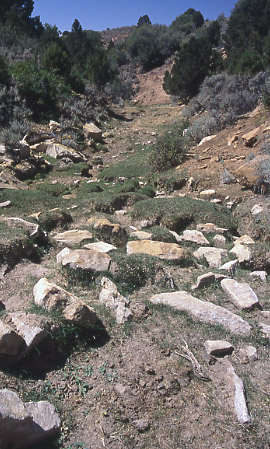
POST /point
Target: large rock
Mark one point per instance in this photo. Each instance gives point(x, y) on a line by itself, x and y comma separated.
point(213, 256)
point(206, 312)
point(111, 298)
point(90, 130)
point(242, 252)
point(211, 227)
point(249, 173)
point(73, 237)
point(50, 296)
point(141, 235)
point(240, 294)
point(251, 137)
point(168, 251)
point(23, 425)
point(207, 279)
point(33, 229)
point(195, 236)
point(59, 151)
point(86, 260)
point(106, 229)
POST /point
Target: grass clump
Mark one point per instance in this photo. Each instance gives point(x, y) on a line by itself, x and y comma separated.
point(162, 235)
point(169, 149)
point(54, 190)
point(178, 213)
point(135, 166)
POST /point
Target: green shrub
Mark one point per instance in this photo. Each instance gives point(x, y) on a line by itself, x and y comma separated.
point(130, 185)
point(148, 190)
point(169, 149)
point(161, 235)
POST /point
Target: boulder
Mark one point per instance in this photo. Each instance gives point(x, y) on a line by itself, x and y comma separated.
point(195, 236)
point(218, 348)
point(208, 192)
point(248, 354)
point(107, 229)
point(240, 294)
point(59, 151)
point(62, 254)
point(23, 425)
point(248, 173)
point(207, 279)
point(72, 237)
point(90, 130)
point(259, 274)
point(52, 297)
point(86, 259)
point(10, 342)
point(251, 137)
point(33, 229)
point(213, 256)
point(230, 266)
point(168, 251)
point(34, 137)
point(203, 311)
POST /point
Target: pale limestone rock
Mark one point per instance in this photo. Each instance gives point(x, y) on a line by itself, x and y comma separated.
point(86, 260)
point(219, 241)
point(105, 226)
point(265, 328)
point(30, 327)
point(111, 298)
point(206, 312)
point(90, 130)
point(218, 348)
point(244, 240)
point(59, 151)
point(248, 354)
point(62, 254)
point(259, 274)
point(177, 237)
point(73, 237)
point(213, 256)
point(256, 209)
point(240, 294)
point(240, 404)
point(230, 266)
point(141, 235)
point(10, 342)
point(210, 227)
point(100, 247)
point(209, 192)
point(50, 296)
point(33, 229)
point(242, 252)
point(206, 139)
point(204, 280)
point(168, 251)
point(195, 236)
point(252, 136)
point(23, 425)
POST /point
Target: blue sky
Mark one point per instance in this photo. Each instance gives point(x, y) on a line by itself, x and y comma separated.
point(101, 14)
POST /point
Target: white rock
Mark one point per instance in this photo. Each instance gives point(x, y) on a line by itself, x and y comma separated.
point(206, 312)
point(100, 247)
point(218, 348)
point(260, 274)
point(248, 354)
point(208, 192)
point(206, 139)
point(62, 254)
point(195, 236)
point(204, 280)
point(219, 241)
point(230, 266)
point(256, 209)
point(177, 237)
point(244, 240)
point(23, 425)
point(85, 259)
point(73, 237)
point(141, 235)
point(111, 298)
point(240, 294)
point(265, 328)
point(210, 227)
point(240, 404)
point(242, 252)
point(213, 256)
point(59, 151)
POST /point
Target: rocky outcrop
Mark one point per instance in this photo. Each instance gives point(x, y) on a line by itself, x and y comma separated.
point(25, 424)
point(59, 151)
point(213, 256)
point(168, 251)
point(206, 312)
point(111, 298)
point(90, 130)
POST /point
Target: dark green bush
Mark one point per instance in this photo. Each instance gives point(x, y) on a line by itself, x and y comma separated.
point(169, 149)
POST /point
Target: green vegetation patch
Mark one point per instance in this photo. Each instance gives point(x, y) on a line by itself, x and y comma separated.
point(135, 166)
point(179, 213)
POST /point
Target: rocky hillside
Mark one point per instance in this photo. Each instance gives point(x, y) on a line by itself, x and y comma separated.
point(135, 314)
